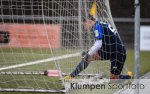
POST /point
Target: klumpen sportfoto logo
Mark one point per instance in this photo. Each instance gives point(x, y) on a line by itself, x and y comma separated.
point(87, 84)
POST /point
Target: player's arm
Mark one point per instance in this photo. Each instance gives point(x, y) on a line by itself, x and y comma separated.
point(86, 58)
point(96, 56)
point(93, 51)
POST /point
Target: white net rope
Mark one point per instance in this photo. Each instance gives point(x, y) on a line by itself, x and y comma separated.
point(39, 35)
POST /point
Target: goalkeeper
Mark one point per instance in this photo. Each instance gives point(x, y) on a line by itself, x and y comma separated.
point(107, 46)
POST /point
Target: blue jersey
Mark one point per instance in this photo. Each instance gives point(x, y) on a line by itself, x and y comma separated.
point(111, 42)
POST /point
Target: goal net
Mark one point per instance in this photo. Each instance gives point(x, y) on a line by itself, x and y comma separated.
point(39, 35)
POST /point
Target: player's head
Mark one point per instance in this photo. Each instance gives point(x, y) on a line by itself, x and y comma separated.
point(88, 22)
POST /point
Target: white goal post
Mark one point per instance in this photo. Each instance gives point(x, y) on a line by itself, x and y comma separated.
point(39, 35)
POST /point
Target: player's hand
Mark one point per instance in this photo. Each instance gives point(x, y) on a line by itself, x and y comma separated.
point(84, 53)
point(86, 56)
point(96, 56)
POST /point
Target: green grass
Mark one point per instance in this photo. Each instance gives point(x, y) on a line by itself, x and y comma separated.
point(144, 62)
point(15, 56)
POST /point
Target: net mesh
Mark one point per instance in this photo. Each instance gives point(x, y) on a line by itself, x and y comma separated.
point(39, 35)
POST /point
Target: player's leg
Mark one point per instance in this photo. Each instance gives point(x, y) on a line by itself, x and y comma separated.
point(116, 68)
point(117, 63)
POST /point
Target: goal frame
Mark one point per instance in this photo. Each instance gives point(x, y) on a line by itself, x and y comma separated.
point(32, 63)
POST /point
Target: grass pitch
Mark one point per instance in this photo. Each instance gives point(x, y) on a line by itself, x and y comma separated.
point(16, 56)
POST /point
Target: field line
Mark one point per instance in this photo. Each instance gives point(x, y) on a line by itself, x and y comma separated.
point(41, 61)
